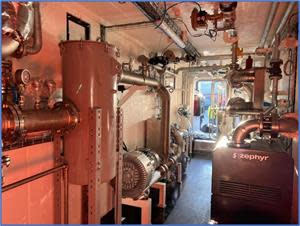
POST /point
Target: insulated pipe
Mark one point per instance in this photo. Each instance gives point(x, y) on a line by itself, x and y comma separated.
point(136, 79)
point(268, 24)
point(37, 32)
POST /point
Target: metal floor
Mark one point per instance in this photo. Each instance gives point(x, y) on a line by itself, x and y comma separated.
point(193, 205)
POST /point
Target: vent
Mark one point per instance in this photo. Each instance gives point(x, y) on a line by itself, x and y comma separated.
point(248, 191)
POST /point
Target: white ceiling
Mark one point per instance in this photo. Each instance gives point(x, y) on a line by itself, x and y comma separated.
point(250, 21)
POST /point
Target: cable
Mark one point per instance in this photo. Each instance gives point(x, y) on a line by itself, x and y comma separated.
point(164, 16)
point(125, 147)
point(166, 9)
point(166, 48)
point(212, 33)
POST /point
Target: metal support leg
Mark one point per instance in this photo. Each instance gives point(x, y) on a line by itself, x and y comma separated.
point(145, 205)
point(162, 193)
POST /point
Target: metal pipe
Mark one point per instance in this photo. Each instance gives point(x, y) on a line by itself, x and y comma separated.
point(234, 64)
point(136, 79)
point(199, 68)
point(33, 178)
point(165, 121)
point(9, 46)
point(274, 91)
point(249, 90)
point(61, 117)
point(132, 78)
point(287, 125)
point(153, 12)
point(243, 129)
point(284, 20)
point(283, 125)
point(37, 32)
point(270, 19)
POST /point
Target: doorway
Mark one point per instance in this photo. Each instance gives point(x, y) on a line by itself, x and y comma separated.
point(209, 100)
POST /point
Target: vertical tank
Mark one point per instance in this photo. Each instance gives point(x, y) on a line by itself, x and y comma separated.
point(89, 72)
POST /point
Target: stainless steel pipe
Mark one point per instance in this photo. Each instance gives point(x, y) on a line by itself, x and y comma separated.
point(136, 79)
point(269, 22)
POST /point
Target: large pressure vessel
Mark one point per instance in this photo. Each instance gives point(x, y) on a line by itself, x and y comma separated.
point(90, 72)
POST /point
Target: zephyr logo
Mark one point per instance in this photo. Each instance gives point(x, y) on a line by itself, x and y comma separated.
point(250, 157)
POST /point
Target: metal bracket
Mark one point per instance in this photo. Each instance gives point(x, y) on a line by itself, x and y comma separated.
point(94, 201)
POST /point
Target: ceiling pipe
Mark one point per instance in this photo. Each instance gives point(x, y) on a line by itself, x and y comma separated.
point(199, 68)
point(270, 19)
point(284, 20)
point(168, 26)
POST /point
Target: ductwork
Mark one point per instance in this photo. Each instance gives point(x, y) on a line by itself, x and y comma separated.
point(136, 79)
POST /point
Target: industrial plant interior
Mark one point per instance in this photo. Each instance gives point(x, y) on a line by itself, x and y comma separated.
point(149, 112)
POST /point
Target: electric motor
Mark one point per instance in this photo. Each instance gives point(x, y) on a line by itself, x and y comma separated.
point(138, 169)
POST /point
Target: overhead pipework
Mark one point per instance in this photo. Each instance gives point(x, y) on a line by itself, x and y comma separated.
point(268, 25)
point(154, 13)
point(227, 15)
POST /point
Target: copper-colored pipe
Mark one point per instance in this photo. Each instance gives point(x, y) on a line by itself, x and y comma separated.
point(282, 125)
point(165, 120)
point(33, 178)
point(61, 117)
point(241, 132)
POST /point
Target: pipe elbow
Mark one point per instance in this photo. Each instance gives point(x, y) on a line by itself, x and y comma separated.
point(37, 35)
point(241, 132)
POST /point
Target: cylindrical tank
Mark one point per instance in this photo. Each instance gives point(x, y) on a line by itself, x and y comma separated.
point(90, 72)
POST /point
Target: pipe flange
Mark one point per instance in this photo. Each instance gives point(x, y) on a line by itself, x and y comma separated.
point(269, 125)
point(73, 112)
point(163, 169)
point(18, 118)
